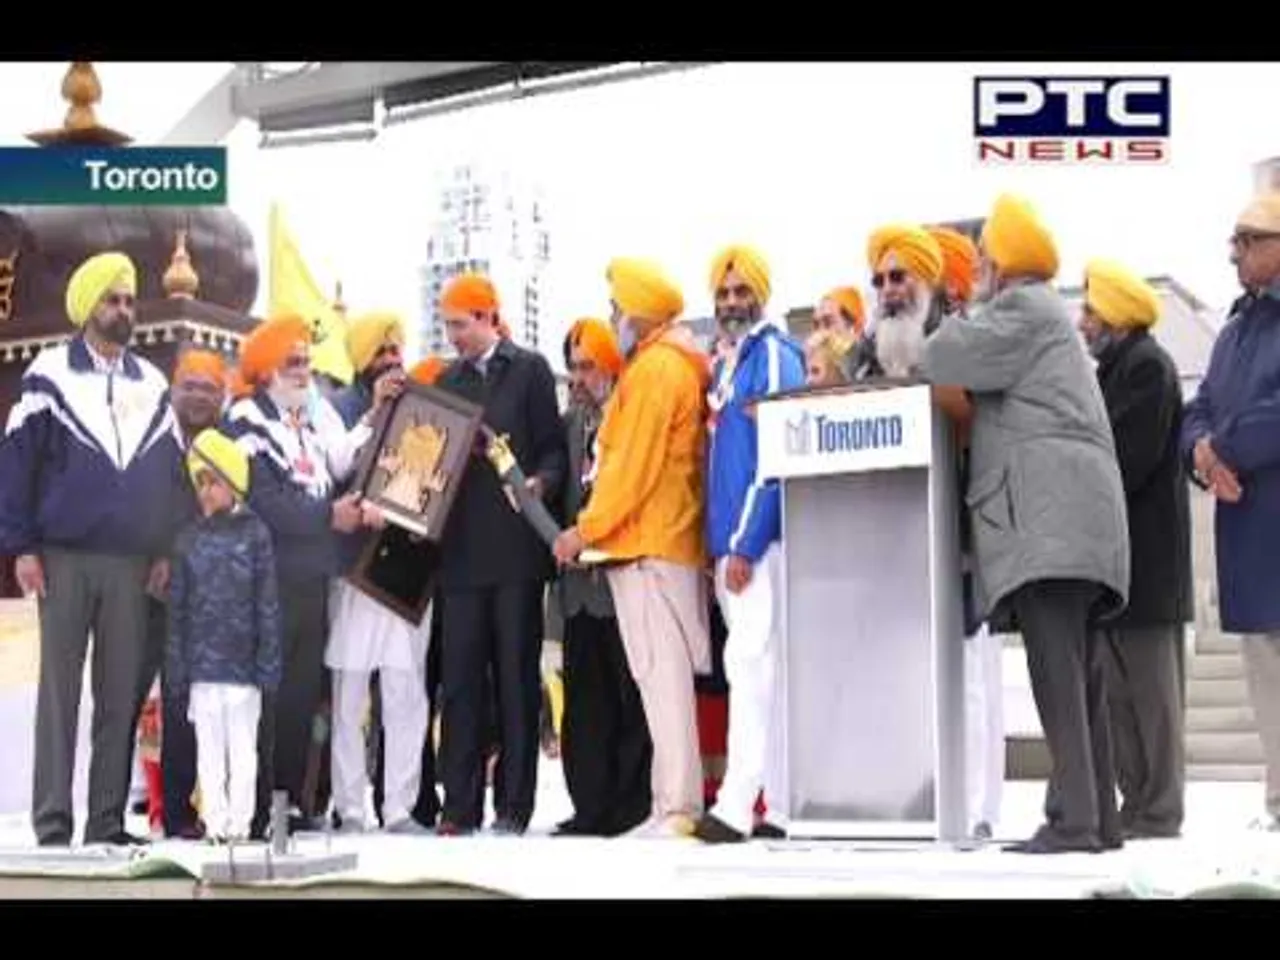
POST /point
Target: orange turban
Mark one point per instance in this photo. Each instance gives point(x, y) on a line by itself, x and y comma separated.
point(913, 248)
point(747, 262)
point(849, 299)
point(1017, 242)
point(959, 262)
point(204, 364)
point(427, 371)
point(469, 293)
point(642, 291)
point(596, 339)
point(265, 350)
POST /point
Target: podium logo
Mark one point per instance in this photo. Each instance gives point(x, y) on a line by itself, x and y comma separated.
point(799, 437)
point(861, 433)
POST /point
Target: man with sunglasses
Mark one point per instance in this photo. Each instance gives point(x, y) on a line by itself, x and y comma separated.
point(1231, 442)
point(87, 455)
point(907, 266)
point(1050, 532)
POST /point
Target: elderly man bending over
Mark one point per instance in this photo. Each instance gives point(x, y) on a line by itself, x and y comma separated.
point(1047, 505)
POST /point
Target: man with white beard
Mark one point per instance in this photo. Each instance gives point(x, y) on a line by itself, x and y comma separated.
point(907, 266)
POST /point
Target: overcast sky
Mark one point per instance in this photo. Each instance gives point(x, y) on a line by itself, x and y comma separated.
point(801, 159)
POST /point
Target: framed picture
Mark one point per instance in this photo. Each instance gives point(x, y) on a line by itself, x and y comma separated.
point(412, 468)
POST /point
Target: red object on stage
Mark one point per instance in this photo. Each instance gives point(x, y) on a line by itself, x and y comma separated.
point(155, 793)
point(713, 743)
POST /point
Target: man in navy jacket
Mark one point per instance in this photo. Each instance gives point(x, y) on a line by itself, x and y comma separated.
point(1231, 442)
point(88, 452)
point(744, 533)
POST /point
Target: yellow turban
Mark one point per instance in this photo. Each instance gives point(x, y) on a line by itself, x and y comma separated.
point(1121, 298)
point(913, 248)
point(642, 291)
point(1017, 242)
point(1262, 214)
point(369, 332)
point(93, 279)
point(216, 451)
point(749, 264)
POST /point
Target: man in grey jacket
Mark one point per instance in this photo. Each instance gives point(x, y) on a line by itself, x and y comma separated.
point(1048, 511)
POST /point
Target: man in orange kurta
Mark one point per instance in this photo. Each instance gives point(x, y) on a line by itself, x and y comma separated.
point(646, 514)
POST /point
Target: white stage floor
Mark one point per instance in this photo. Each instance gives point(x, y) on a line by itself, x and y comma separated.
point(1217, 849)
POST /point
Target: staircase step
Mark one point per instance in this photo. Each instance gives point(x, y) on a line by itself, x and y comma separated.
point(1233, 719)
point(1223, 772)
point(1215, 642)
point(1224, 748)
point(1217, 693)
point(1217, 666)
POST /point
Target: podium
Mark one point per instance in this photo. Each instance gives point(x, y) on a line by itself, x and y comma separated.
point(872, 618)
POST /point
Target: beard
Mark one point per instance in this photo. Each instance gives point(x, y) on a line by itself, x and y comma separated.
point(900, 337)
point(114, 329)
point(736, 322)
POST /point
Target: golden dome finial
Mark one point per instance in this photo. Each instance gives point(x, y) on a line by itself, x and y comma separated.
point(82, 90)
point(181, 280)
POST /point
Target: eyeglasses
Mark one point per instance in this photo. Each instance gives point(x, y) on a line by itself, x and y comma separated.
point(1244, 239)
point(894, 276)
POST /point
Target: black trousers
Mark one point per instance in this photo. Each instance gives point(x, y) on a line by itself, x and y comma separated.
point(1067, 664)
point(495, 630)
point(604, 743)
point(177, 735)
point(1145, 685)
point(286, 731)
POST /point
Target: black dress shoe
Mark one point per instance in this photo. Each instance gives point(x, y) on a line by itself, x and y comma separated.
point(55, 840)
point(575, 828)
point(711, 829)
point(509, 827)
point(1054, 840)
point(121, 838)
point(767, 831)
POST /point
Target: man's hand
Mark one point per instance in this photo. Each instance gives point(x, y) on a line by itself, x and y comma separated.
point(737, 574)
point(346, 513)
point(388, 387)
point(1204, 459)
point(30, 573)
point(535, 486)
point(1224, 484)
point(372, 516)
point(568, 546)
point(158, 579)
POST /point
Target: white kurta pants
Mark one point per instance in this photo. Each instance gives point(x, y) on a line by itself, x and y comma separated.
point(984, 706)
point(365, 637)
point(225, 717)
point(752, 666)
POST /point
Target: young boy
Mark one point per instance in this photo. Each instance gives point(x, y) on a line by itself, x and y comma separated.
point(224, 632)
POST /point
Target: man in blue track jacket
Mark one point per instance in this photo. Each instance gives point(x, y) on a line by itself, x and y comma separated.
point(87, 453)
point(744, 531)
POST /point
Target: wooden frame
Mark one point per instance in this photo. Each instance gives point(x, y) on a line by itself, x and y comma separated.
point(398, 566)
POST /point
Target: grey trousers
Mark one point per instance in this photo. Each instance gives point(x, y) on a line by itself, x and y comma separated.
point(1146, 669)
point(1067, 666)
point(1262, 670)
point(106, 596)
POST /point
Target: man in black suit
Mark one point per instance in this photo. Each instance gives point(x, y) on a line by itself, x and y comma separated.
point(1145, 645)
point(494, 567)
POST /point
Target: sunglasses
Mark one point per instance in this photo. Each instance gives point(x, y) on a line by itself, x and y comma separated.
point(894, 276)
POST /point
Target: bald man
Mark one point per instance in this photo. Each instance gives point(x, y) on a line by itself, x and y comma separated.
point(494, 567)
point(906, 264)
point(1146, 644)
point(646, 515)
point(744, 535)
point(88, 453)
point(1051, 544)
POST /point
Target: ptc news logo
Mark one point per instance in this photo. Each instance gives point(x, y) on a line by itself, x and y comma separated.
point(1056, 120)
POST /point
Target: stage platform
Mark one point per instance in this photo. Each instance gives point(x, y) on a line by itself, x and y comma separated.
point(1218, 855)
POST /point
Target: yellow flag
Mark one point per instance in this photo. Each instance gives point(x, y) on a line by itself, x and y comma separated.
point(294, 289)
